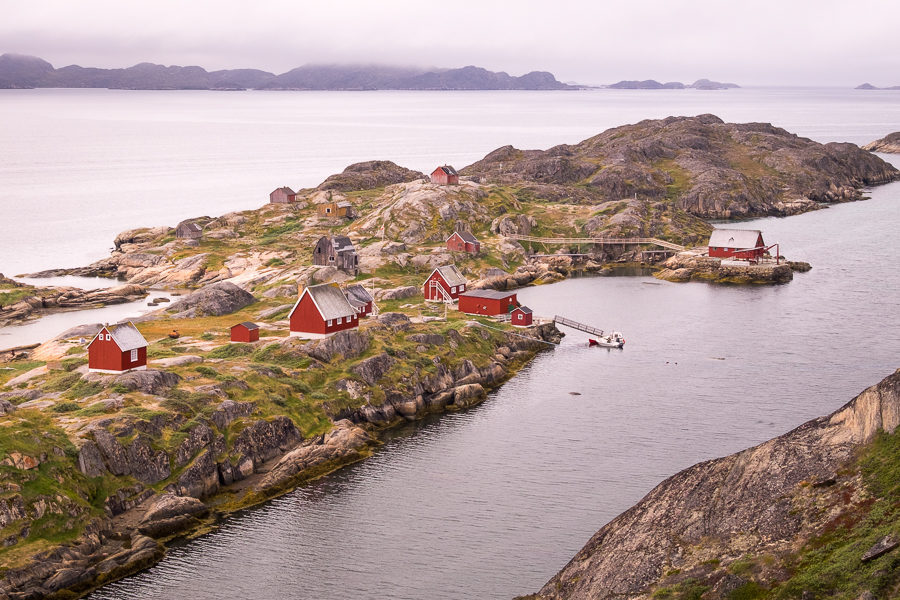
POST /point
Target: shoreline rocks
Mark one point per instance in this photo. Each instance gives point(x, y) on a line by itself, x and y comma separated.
point(51, 300)
point(889, 144)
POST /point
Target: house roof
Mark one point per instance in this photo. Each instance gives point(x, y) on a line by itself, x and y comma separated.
point(450, 275)
point(492, 294)
point(125, 335)
point(341, 243)
point(357, 294)
point(448, 170)
point(523, 309)
point(467, 236)
point(190, 225)
point(329, 300)
point(734, 238)
point(247, 324)
point(343, 204)
point(286, 190)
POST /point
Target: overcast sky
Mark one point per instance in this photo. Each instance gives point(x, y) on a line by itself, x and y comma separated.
point(780, 42)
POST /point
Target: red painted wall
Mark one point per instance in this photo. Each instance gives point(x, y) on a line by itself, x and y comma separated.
point(239, 333)
point(438, 176)
point(520, 318)
point(306, 319)
point(437, 276)
point(486, 306)
point(455, 243)
point(106, 355)
point(757, 253)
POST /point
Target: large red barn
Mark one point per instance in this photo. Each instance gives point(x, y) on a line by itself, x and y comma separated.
point(320, 311)
point(463, 241)
point(445, 284)
point(445, 175)
point(245, 332)
point(116, 349)
point(487, 302)
point(744, 244)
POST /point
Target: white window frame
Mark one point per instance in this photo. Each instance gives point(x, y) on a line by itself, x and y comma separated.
point(134, 355)
point(340, 320)
point(329, 322)
point(108, 337)
point(453, 290)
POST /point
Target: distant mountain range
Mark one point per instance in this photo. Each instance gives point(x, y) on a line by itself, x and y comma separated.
point(651, 84)
point(869, 86)
point(19, 71)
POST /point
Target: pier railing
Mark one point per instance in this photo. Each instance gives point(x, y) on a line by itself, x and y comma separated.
point(576, 325)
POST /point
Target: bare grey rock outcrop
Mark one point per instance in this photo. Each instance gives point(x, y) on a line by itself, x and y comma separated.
point(729, 506)
point(213, 300)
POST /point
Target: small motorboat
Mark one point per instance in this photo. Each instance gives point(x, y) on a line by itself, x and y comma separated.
point(613, 340)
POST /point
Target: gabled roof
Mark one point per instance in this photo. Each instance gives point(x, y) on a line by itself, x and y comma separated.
point(343, 204)
point(450, 274)
point(190, 225)
point(734, 238)
point(523, 309)
point(341, 243)
point(286, 190)
point(492, 294)
point(448, 170)
point(247, 324)
point(466, 236)
point(125, 335)
point(329, 300)
point(358, 295)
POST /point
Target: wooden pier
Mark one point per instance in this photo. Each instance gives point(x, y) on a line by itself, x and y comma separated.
point(579, 326)
point(600, 241)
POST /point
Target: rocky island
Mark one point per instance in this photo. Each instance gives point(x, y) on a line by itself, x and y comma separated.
point(98, 472)
point(889, 144)
point(652, 84)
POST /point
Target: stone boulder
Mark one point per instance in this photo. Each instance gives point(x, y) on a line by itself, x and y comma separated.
point(394, 320)
point(889, 144)
point(349, 343)
point(168, 514)
point(149, 381)
point(398, 293)
point(373, 368)
point(213, 300)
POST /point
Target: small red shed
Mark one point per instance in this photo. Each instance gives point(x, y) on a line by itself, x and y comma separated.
point(283, 195)
point(521, 316)
point(116, 349)
point(744, 244)
point(487, 302)
point(445, 284)
point(463, 241)
point(360, 299)
point(320, 311)
point(245, 332)
point(445, 175)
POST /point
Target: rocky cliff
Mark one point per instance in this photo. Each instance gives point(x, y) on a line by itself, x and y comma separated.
point(701, 165)
point(889, 143)
point(811, 514)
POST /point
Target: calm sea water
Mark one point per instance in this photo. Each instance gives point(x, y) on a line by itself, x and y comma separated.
point(490, 502)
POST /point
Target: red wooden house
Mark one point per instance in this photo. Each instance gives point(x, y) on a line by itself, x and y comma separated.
point(320, 311)
point(116, 349)
point(360, 299)
point(744, 244)
point(245, 332)
point(445, 284)
point(283, 195)
point(463, 241)
point(521, 316)
point(445, 175)
point(487, 302)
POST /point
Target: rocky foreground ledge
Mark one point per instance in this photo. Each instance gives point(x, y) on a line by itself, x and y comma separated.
point(814, 513)
point(123, 464)
point(693, 266)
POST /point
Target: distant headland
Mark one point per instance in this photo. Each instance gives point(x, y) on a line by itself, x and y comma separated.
point(651, 84)
point(23, 72)
point(869, 86)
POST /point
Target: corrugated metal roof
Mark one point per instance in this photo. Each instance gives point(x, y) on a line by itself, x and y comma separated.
point(492, 294)
point(734, 238)
point(330, 301)
point(451, 275)
point(341, 243)
point(358, 293)
point(247, 324)
point(344, 204)
point(125, 335)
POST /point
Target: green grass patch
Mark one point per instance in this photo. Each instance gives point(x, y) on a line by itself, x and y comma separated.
point(690, 589)
point(230, 351)
point(64, 407)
